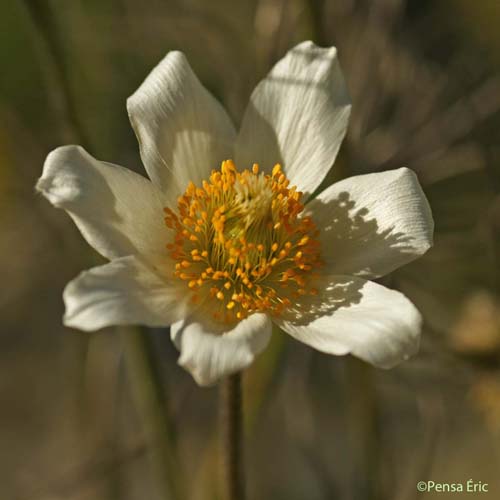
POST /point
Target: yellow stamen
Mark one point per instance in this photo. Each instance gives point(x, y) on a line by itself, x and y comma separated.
point(251, 240)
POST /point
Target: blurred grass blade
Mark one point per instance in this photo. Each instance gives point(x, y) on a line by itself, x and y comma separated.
point(151, 399)
point(58, 86)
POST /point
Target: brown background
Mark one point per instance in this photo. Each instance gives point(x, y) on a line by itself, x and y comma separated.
point(79, 416)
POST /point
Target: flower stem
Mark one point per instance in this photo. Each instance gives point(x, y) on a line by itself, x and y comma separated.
point(366, 420)
point(232, 442)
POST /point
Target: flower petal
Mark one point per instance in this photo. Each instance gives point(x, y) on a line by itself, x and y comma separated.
point(297, 116)
point(124, 291)
point(183, 132)
point(209, 351)
point(118, 211)
point(372, 224)
point(355, 316)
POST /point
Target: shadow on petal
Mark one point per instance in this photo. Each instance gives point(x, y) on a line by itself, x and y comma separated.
point(359, 241)
point(349, 229)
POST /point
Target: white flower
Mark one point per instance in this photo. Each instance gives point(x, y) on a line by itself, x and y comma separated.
point(222, 253)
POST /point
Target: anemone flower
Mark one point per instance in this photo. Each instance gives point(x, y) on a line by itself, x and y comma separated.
point(224, 238)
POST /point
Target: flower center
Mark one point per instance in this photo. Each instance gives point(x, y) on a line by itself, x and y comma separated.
point(242, 241)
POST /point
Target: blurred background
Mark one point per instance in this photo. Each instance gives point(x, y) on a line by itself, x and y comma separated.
point(110, 415)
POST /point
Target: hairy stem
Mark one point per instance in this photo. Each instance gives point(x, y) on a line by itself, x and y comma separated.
point(232, 442)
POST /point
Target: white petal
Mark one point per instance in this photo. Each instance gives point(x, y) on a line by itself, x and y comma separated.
point(372, 224)
point(118, 211)
point(183, 132)
point(122, 292)
point(210, 352)
point(297, 116)
point(355, 316)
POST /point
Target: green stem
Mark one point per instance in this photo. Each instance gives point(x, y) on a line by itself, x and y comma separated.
point(232, 442)
point(365, 418)
point(150, 398)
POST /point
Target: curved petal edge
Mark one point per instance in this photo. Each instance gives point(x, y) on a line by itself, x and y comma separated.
point(210, 352)
point(123, 292)
point(379, 325)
